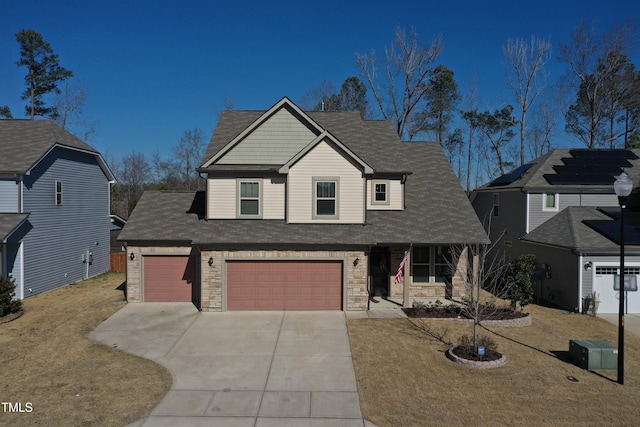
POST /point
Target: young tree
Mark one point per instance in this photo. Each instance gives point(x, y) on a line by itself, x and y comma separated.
point(593, 60)
point(400, 92)
point(441, 97)
point(526, 61)
point(44, 72)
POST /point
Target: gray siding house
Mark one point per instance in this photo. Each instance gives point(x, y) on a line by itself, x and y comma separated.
point(305, 211)
point(552, 207)
point(54, 207)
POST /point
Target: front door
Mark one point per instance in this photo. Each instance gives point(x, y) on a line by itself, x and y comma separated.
point(380, 260)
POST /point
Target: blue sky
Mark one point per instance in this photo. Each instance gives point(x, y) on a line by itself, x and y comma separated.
point(153, 69)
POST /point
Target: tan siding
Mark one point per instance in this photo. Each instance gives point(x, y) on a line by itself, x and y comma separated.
point(221, 195)
point(324, 162)
point(274, 142)
point(395, 197)
point(273, 196)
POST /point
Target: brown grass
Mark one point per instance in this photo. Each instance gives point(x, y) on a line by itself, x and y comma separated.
point(48, 361)
point(404, 378)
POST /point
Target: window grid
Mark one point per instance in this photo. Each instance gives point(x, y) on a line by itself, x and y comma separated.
point(249, 198)
point(326, 198)
point(58, 191)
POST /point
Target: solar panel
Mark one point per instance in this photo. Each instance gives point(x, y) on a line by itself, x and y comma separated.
point(595, 161)
point(611, 230)
point(587, 169)
point(512, 176)
point(603, 153)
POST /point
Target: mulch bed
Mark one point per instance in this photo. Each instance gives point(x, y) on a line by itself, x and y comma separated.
point(11, 316)
point(469, 354)
point(442, 313)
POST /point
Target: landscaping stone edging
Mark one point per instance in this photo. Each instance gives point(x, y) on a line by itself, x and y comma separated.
point(11, 317)
point(476, 364)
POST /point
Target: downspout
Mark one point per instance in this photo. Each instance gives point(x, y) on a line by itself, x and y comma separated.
point(580, 267)
point(369, 280)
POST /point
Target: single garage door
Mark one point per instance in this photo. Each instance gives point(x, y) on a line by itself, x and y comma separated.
point(608, 297)
point(284, 285)
point(169, 278)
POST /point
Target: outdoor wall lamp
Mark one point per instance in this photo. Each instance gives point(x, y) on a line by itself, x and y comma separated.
point(210, 262)
point(356, 262)
point(588, 265)
point(132, 256)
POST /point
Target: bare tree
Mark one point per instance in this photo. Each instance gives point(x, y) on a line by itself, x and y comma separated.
point(134, 173)
point(313, 96)
point(188, 154)
point(593, 60)
point(399, 93)
point(69, 105)
point(527, 77)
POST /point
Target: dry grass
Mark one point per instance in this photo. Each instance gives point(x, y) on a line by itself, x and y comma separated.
point(404, 378)
point(69, 380)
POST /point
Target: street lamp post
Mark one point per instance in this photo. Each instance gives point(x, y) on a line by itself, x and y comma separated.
point(622, 187)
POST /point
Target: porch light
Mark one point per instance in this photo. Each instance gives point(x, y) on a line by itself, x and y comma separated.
point(210, 262)
point(132, 256)
point(622, 188)
point(356, 261)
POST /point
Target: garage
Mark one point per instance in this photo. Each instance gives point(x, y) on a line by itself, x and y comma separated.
point(169, 278)
point(608, 297)
point(284, 285)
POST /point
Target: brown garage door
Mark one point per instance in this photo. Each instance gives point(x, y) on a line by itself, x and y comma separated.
point(169, 278)
point(284, 285)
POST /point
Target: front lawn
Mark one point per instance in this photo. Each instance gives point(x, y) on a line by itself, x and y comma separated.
point(67, 379)
point(404, 378)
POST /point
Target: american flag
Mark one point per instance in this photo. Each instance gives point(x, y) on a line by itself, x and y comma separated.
point(401, 266)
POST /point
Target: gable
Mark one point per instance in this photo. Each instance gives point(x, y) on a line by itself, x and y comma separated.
point(273, 142)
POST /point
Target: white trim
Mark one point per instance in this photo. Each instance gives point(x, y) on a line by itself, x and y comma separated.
point(526, 226)
point(556, 199)
point(580, 270)
point(103, 165)
point(314, 213)
point(20, 286)
point(387, 198)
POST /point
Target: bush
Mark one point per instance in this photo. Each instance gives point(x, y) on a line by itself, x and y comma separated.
point(8, 304)
point(516, 281)
point(467, 350)
point(432, 309)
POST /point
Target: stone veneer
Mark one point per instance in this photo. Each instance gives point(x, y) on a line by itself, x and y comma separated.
point(213, 281)
point(134, 267)
point(431, 290)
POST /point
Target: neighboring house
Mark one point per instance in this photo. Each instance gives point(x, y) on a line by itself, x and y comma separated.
point(302, 210)
point(562, 208)
point(54, 207)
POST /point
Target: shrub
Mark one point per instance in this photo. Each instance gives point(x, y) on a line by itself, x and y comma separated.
point(467, 350)
point(516, 281)
point(8, 304)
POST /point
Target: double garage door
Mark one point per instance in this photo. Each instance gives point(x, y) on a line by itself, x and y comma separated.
point(251, 285)
point(284, 285)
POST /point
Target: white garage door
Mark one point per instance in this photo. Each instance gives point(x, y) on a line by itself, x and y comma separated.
point(610, 298)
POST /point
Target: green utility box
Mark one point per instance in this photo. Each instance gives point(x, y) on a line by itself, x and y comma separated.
point(593, 355)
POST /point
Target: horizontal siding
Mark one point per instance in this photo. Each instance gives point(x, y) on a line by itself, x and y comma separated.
point(324, 162)
point(537, 216)
point(274, 142)
point(396, 194)
point(273, 198)
point(221, 194)
point(222, 198)
point(9, 196)
point(54, 247)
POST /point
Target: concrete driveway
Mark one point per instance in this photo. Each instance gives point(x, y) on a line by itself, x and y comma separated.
point(242, 368)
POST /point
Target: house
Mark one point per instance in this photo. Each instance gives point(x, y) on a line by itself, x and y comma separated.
point(562, 208)
point(302, 211)
point(54, 207)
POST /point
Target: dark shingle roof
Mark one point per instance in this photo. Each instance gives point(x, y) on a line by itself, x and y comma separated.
point(9, 222)
point(23, 142)
point(533, 179)
point(567, 230)
point(437, 212)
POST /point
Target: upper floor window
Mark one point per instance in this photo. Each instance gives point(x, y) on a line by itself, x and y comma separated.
point(249, 199)
point(58, 193)
point(550, 202)
point(496, 204)
point(380, 193)
point(325, 198)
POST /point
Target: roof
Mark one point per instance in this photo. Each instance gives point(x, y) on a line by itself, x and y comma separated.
point(532, 179)
point(437, 212)
point(568, 230)
point(24, 142)
point(9, 222)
